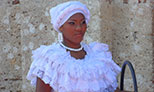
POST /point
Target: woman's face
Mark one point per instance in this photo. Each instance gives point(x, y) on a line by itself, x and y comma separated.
point(74, 28)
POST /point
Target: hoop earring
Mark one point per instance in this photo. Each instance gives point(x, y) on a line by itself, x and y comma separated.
point(60, 37)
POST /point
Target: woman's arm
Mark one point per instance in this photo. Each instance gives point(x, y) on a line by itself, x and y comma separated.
point(42, 87)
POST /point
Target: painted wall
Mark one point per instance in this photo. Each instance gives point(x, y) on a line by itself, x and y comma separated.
point(126, 25)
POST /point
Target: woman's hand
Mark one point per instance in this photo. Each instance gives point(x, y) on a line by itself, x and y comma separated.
point(42, 87)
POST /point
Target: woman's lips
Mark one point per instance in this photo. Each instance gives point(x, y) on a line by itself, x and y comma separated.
point(79, 35)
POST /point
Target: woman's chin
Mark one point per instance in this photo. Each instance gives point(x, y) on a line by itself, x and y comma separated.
point(78, 41)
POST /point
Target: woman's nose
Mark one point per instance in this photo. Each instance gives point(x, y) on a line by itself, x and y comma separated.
point(79, 27)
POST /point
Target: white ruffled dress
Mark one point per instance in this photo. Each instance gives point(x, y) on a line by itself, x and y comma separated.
point(97, 72)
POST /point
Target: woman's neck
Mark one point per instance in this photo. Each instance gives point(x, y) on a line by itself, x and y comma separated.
point(71, 44)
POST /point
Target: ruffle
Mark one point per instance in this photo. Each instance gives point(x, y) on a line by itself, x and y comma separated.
point(97, 72)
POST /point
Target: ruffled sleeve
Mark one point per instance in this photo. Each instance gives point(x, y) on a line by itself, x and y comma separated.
point(111, 69)
point(38, 65)
point(43, 65)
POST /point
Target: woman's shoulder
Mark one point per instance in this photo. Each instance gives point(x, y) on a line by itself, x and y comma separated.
point(97, 46)
point(97, 50)
point(46, 54)
point(44, 50)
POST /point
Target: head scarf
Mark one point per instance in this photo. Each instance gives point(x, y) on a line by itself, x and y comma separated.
point(62, 12)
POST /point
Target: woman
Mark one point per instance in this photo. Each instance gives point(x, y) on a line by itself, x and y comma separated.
point(70, 65)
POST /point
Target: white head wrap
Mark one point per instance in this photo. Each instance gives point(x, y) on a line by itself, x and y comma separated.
point(62, 12)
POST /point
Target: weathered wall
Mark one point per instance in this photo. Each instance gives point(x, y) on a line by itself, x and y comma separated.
point(132, 40)
point(126, 27)
point(10, 47)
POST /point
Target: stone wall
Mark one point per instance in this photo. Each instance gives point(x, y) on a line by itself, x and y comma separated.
point(133, 40)
point(126, 25)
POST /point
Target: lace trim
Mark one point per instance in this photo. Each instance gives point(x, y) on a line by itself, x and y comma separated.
point(96, 73)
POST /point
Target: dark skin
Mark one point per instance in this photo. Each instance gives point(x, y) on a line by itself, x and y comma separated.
point(42, 87)
point(73, 31)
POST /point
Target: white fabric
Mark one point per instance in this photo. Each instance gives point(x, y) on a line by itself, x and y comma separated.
point(62, 12)
point(97, 72)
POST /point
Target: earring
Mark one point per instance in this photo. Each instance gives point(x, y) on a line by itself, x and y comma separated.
point(60, 37)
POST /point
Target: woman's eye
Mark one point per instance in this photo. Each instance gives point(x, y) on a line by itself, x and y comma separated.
point(72, 23)
point(84, 22)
